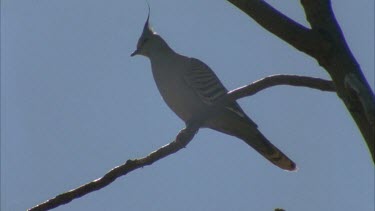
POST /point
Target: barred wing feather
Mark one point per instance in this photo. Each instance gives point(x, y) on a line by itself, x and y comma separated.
point(207, 85)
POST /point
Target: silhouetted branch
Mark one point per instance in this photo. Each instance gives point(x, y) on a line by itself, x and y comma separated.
point(275, 80)
point(325, 42)
point(184, 136)
point(182, 139)
point(282, 26)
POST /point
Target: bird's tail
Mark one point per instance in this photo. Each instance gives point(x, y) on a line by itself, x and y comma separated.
point(261, 144)
point(249, 133)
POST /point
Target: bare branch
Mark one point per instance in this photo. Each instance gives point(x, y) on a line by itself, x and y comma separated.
point(352, 86)
point(274, 80)
point(297, 35)
point(184, 137)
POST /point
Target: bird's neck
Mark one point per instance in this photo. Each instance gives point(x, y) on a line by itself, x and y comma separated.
point(162, 53)
point(161, 49)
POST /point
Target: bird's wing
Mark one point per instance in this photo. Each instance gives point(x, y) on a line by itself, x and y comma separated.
point(207, 85)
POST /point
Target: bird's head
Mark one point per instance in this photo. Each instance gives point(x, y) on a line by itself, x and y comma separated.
point(150, 42)
point(145, 42)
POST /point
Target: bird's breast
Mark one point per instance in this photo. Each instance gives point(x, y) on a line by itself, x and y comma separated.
point(174, 90)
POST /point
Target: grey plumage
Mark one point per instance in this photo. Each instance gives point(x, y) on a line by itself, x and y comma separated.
point(189, 86)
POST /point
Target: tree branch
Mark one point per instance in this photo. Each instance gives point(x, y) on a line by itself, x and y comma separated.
point(326, 43)
point(295, 34)
point(275, 80)
point(352, 86)
point(184, 137)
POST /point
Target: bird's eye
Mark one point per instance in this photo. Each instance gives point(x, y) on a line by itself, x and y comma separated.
point(144, 41)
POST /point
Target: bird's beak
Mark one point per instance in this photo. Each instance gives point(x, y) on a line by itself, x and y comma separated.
point(135, 53)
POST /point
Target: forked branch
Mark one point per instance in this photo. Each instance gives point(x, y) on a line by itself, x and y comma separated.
point(325, 42)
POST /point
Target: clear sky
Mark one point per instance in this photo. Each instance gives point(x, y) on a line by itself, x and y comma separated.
point(74, 104)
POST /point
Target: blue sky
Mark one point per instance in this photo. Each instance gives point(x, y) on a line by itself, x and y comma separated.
point(74, 104)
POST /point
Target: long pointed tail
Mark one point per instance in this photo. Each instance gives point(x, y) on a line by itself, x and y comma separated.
point(260, 143)
point(249, 133)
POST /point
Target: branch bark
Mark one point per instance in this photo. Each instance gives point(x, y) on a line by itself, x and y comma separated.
point(184, 137)
point(325, 42)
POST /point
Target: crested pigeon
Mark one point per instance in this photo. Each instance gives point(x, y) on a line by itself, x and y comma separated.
point(189, 86)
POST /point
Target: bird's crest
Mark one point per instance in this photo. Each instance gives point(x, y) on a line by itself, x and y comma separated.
point(147, 28)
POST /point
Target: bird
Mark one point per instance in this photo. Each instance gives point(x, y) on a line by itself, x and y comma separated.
point(189, 86)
